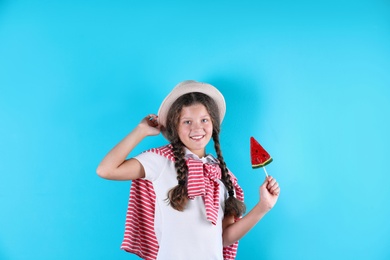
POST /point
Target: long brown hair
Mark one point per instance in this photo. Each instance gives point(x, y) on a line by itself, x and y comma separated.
point(178, 195)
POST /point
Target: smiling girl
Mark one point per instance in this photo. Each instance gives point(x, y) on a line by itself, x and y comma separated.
point(184, 203)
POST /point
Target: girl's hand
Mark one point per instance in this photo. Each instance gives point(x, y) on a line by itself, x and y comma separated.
point(150, 125)
point(269, 193)
point(233, 231)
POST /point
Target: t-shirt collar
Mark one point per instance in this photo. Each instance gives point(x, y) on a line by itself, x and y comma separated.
point(207, 159)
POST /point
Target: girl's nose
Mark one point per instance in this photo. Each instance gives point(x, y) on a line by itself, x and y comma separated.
point(196, 125)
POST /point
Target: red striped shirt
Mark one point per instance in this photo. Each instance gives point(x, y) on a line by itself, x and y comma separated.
point(140, 237)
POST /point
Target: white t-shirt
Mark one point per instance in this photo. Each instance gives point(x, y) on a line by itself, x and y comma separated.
point(182, 234)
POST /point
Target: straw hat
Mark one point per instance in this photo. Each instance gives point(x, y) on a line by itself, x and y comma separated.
point(189, 86)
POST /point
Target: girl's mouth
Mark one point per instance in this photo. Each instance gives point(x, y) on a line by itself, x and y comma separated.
point(196, 137)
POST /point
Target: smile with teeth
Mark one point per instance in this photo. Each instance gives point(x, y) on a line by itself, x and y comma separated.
point(197, 137)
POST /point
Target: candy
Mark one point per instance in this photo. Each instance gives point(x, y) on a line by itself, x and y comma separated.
point(259, 156)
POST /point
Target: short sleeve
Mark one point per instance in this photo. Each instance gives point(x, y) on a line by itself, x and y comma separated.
point(154, 164)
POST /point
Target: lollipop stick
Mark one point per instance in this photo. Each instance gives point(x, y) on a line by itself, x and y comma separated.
point(266, 174)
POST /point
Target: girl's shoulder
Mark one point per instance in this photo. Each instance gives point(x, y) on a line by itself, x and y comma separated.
point(165, 151)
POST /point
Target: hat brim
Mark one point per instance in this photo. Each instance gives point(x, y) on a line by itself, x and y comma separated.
point(188, 87)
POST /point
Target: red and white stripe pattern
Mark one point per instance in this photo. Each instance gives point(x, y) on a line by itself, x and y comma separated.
point(203, 181)
point(140, 238)
point(165, 151)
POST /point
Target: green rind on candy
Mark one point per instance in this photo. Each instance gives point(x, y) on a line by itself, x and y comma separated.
point(262, 164)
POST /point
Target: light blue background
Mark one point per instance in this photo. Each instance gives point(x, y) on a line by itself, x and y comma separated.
point(309, 79)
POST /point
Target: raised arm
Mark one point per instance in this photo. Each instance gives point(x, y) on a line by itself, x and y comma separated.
point(114, 165)
point(234, 231)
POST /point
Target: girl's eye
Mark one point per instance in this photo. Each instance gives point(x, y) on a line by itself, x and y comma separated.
point(187, 122)
point(205, 120)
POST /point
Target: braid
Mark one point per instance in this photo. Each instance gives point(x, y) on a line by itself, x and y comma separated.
point(233, 206)
point(178, 195)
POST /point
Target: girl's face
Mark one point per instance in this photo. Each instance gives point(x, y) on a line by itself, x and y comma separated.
point(195, 128)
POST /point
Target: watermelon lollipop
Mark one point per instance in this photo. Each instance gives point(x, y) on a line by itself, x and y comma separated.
point(259, 156)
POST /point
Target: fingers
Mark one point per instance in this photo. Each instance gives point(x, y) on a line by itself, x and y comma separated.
point(273, 186)
point(152, 120)
point(151, 117)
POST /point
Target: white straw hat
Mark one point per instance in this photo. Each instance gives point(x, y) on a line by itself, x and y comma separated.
point(189, 86)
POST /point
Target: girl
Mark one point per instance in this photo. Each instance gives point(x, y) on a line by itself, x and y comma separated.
point(184, 204)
